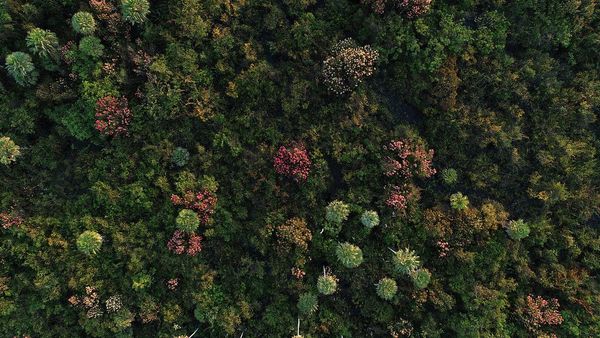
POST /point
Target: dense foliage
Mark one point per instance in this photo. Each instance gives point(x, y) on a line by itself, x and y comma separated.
point(259, 168)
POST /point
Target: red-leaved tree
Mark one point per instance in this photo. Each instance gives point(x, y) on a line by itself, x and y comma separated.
point(539, 312)
point(412, 8)
point(9, 220)
point(399, 197)
point(203, 203)
point(408, 159)
point(293, 162)
point(112, 116)
point(180, 242)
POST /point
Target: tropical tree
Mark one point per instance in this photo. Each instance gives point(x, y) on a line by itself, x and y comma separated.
point(9, 151)
point(89, 242)
point(517, 230)
point(369, 219)
point(459, 202)
point(43, 43)
point(347, 66)
point(327, 283)
point(20, 66)
point(308, 303)
point(349, 255)
point(187, 221)
point(420, 278)
point(83, 23)
point(387, 288)
point(135, 11)
point(405, 261)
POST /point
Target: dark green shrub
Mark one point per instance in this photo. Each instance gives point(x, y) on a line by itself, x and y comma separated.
point(180, 156)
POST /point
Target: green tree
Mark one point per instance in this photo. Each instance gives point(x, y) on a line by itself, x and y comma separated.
point(180, 156)
point(337, 212)
point(91, 46)
point(141, 281)
point(449, 176)
point(327, 284)
point(369, 219)
point(420, 278)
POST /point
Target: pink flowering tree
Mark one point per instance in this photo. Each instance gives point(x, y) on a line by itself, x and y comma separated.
point(407, 159)
point(112, 116)
point(347, 66)
point(412, 8)
point(399, 197)
point(181, 242)
point(292, 162)
point(443, 248)
point(203, 203)
point(9, 220)
point(172, 283)
point(415, 8)
point(539, 312)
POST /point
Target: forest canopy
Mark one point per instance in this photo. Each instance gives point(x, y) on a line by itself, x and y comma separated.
point(299, 168)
